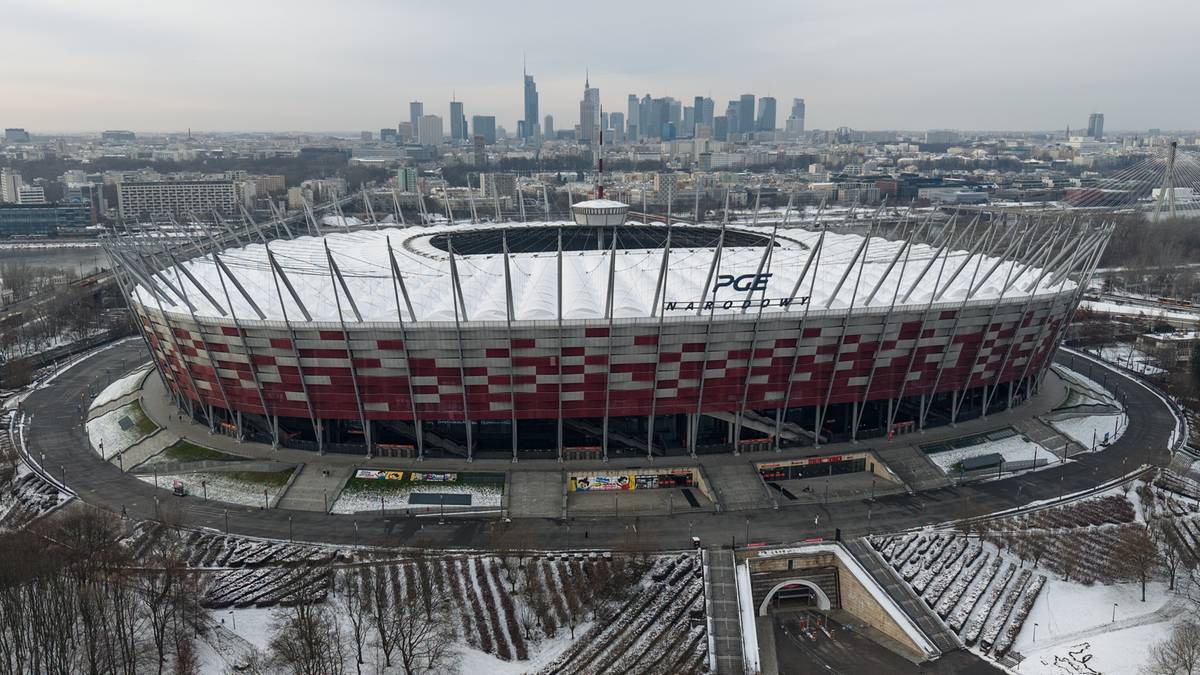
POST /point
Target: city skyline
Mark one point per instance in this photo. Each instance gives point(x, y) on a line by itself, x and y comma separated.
point(109, 67)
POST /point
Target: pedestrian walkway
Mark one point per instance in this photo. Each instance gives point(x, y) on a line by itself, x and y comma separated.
point(720, 594)
point(535, 494)
point(914, 607)
point(738, 487)
point(315, 487)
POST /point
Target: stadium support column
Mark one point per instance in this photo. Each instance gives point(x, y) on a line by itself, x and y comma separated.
point(1090, 260)
point(545, 202)
point(449, 210)
point(837, 353)
point(660, 289)
point(125, 284)
point(278, 275)
point(508, 319)
point(814, 261)
point(609, 311)
point(763, 263)
point(396, 206)
point(904, 249)
point(714, 269)
point(272, 419)
point(495, 201)
point(1032, 288)
point(919, 336)
point(1033, 254)
point(460, 315)
point(949, 347)
point(559, 304)
point(212, 362)
point(471, 199)
point(987, 328)
point(369, 209)
point(335, 280)
point(252, 226)
point(279, 220)
point(398, 289)
point(311, 219)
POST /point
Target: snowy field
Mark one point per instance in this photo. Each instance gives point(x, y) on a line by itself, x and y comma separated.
point(114, 432)
point(1087, 387)
point(242, 487)
point(1075, 622)
point(121, 388)
point(367, 498)
point(1012, 449)
point(1083, 430)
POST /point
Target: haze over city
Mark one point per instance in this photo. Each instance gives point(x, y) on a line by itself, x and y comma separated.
point(316, 66)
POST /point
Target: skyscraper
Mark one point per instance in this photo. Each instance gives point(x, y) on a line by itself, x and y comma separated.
point(646, 118)
point(485, 126)
point(795, 121)
point(530, 123)
point(416, 110)
point(733, 113)
point(617, 124)
point(548, 126)
point(589, 113)
point(745, 113)
point(766, 114)
point(1096, 125)
point(458, 122)
point(632, 112)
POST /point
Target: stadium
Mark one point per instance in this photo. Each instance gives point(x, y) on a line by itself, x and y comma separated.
point(601, 336)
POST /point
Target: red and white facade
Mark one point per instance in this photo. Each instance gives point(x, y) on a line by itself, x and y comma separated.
point(265, 346)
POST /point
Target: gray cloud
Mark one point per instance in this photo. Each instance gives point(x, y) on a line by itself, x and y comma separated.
point(319, 65)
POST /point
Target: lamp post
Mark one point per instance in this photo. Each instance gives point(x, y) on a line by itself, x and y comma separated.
point(1114, 616)
point(1035, 631)
point(291, 532)
point(204, 487)
point(226, 522)
point(356, 534)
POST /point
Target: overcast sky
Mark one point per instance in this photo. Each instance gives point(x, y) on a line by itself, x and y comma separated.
point(345, 65)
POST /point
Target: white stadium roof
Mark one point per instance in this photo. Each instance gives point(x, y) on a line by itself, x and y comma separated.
point(362, 258)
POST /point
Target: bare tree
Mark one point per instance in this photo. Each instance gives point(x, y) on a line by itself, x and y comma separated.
point(1178, 654)
point(1172, 551)
point(424, 641)
point(355, 602)
point(307, 640)
point(381, 617)
point(1136, 556)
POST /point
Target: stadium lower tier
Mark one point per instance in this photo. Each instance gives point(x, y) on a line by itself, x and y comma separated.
point(704, 383)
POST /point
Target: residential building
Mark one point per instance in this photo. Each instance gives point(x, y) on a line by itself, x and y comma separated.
point(387, 134)
point(31, 194)
point(499, 185)
point(406, 179)
point(137, 199)
point(10, 182)
point(429, 130)
point(16, 135)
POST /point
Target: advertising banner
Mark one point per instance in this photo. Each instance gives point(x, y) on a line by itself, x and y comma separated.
point(375, 474)
point(430, 477)
point(601, 483)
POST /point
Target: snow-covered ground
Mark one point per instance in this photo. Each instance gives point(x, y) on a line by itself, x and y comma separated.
point(354, 501)
point(222, 487)
point(1012, 449)
point(1137, 310)
point(1126, 356)
point(114, 432)
point(1076, 632)
point(1085, 430)
point(121, 388)
point(1087, 387)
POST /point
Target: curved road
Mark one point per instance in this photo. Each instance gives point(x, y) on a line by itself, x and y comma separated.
point(57, 433)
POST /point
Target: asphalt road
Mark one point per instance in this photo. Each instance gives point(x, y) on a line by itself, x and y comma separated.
point(56, 432)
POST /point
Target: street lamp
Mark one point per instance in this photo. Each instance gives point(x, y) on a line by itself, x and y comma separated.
point(1114, 616)
point(1035, 631)
point(291, 532)
point(227, 522)
point(356, 534)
